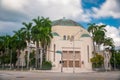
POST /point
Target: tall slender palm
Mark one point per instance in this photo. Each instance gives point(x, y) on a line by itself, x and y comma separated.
point(91, 29)
point(2, 50)
point(9, 49)
point(14, 46)
point(27, 32)
point(99, 38)
point(99, 35)
point(108, 42)
point(5, 48)
point(46, 33)
point(41, 33)
point(21, 43)
point(36, 37)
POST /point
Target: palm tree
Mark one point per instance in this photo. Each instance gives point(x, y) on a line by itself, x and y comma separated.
point(99, 35)
point(9, 48)
point(91, 29)
point(41, 34)
point(20, 43)
point(2, 50)
point(14, 47)
point(5, 48)
point(108, 42)
point(27, 32)
point(36, 36)
point(47, 35)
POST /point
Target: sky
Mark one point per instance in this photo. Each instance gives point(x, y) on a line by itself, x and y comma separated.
point(14, 12)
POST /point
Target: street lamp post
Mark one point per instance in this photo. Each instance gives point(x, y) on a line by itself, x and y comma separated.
point(73, 56)
point(61, 59)
point(61, 62)
point(73, 39)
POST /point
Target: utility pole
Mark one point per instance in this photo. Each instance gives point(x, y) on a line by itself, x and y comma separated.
point(114, 62)
point(73, 56)
point(61, 62)
point(74, 50)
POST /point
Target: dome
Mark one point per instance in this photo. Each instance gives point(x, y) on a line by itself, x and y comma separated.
point(55, 34)
point(85, 35)
point(65, 22)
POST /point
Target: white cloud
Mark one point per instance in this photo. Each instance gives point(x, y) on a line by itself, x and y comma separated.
point(14, 4)
point(17, 10)
point(114, 33)
point(55, 9)
point(13, 12)
point(110, 8)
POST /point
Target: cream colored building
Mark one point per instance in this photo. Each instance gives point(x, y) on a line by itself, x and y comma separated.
point(71, 47)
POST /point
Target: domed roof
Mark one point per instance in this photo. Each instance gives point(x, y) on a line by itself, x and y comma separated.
point(85, 35)
point(65, 22)
point(55, 34)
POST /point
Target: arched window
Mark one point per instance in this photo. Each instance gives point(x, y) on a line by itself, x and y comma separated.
point(64, 37)
point(68, 37)
point(72, 38)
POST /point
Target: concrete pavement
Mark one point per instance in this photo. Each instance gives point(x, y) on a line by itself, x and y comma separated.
point(21, 75)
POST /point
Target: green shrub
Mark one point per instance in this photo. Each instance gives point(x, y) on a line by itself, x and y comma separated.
point(97, 61)
point(47, 65)
point(115, 60)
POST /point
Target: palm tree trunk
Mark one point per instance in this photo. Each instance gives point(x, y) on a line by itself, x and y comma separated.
point(41, 57)
point(18, 66)
point(94, 49)
point(98, 47)
point(45, 53)
point(37, 53)
point(28, 56)
point(36, 61)
point(11, 60)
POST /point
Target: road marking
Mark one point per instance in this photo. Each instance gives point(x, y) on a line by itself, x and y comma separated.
point(100, 79)
point(46, 79)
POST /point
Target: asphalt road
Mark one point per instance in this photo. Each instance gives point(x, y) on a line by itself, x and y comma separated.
point(16, 75)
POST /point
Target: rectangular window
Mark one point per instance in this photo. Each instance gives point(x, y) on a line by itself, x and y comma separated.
point(65, 55)
point(70, 63)
point(64, 63)
point(54, 51)
point(77, 63)
point(88, 52)
point(70, 51)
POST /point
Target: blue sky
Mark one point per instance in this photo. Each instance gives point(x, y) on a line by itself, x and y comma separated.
point(88, 4)
point(14, 12)
point(108, 20)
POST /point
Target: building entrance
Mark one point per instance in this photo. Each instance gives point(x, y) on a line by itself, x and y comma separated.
point(68, 59)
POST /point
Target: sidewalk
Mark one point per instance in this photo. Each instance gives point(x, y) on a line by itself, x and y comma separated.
point(64, 71)
point(59, 71)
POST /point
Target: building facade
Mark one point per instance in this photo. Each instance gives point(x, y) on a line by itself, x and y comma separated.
point(71, 47)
